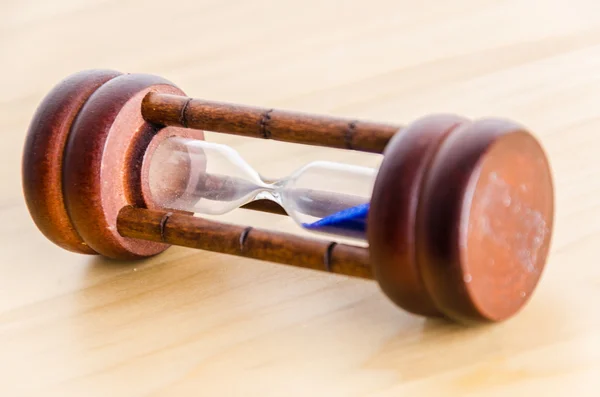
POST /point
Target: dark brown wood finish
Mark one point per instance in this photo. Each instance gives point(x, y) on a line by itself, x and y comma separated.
point(199, 233)
point(42, 163)
point(366, 136)
point(485, 221)
point(393, 211)
point(104, 154)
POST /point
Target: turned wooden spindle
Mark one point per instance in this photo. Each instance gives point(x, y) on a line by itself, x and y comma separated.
point(283, 248)
point(460, 217)
point(280, 125)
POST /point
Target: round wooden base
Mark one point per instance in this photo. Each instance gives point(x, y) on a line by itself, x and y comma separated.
point(393, 212)
point(42, 162)
point(461, 218)
point(83, 161)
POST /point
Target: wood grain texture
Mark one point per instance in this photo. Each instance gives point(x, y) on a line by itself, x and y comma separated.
point(104, 153)
point(485, 221)
point(43, 151)
point(392, 224)
point(187, 323)
point(265, 123)
point(288, 249)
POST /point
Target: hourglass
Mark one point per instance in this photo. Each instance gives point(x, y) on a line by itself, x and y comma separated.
point(322, 196)
point(455, 221)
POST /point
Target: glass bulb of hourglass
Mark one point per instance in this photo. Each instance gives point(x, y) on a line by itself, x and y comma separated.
point(209, 178)
point(329, 197)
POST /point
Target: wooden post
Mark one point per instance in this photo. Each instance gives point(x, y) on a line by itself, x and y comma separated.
point(280, 125)
point(208, 235)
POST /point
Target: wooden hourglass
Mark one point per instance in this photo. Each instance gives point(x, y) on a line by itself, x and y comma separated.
point(458, 217)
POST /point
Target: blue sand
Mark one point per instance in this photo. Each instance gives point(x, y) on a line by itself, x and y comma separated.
point(353, 219)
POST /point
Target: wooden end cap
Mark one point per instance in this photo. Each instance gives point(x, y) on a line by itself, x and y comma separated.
point(84, 159)
point(463, 231)
point(42, 161)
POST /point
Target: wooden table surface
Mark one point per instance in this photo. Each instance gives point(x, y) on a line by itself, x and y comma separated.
point(190, 323)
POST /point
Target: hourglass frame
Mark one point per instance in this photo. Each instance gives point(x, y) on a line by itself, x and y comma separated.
point(459, 222)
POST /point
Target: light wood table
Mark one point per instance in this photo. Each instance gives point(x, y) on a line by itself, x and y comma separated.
point(199, 324)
